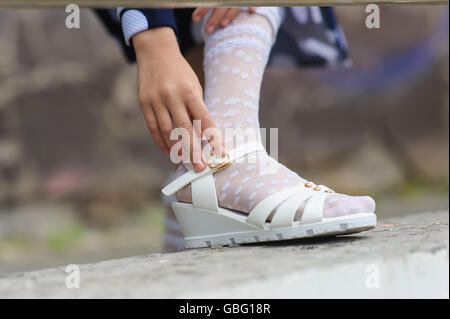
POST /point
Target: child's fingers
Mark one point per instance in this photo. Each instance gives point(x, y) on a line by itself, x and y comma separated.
point(165, 124)
point(252, 9)
point(229, 16)
point(199, 13)
point(200, 112)
point(183, 121)
point(214, 19)
point(155, 132)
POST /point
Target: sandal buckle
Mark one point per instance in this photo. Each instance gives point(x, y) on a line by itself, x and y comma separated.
point(220, 164)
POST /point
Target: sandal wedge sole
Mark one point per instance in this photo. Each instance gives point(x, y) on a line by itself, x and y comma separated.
point(203, 228)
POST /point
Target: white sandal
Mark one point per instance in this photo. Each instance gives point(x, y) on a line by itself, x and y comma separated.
point(205, 224)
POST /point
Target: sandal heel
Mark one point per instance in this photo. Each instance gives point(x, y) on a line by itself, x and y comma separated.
point(200, 226)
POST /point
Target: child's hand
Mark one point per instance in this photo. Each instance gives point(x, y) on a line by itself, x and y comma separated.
point(219, 15)
point(169, 92)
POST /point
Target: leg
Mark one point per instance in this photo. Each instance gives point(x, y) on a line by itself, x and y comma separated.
point(234, 63)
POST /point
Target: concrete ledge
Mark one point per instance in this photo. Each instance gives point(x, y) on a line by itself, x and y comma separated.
point(403, 257)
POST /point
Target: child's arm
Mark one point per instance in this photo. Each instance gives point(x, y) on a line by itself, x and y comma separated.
point(169, 91)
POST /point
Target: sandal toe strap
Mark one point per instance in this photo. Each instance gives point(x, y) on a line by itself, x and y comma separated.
point(288, 202)
point(262, 210)
point(285, 214)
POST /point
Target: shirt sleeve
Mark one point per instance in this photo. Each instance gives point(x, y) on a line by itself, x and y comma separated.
point(135, 20)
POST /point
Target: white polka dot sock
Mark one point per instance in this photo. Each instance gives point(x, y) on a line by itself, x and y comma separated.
point(234, 63)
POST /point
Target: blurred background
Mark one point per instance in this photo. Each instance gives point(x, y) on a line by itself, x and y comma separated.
point(80, 178)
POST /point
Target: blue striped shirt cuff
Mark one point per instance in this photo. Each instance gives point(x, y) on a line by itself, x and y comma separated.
point(137, 20)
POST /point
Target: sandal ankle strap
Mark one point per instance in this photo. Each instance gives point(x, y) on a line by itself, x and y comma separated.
point(214, 165)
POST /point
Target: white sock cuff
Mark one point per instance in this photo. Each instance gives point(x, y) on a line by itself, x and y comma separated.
point(272, 14)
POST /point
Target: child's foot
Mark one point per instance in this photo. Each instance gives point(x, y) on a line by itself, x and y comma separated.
point(280, 205)
point(242, 185)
